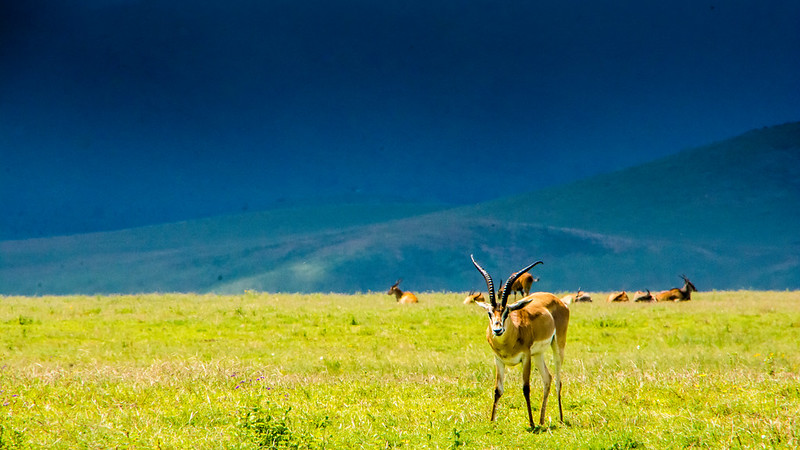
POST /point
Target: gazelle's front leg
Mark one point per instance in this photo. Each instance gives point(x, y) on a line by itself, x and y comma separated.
point(499, 376)
point(526, 385)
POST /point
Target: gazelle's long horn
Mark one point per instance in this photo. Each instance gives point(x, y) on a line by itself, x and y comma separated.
point(507, 287)
point(488, 279)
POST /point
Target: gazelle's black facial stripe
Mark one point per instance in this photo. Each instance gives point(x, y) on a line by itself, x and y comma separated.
point(497, 320)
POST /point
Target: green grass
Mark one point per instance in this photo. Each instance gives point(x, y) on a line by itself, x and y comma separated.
point(334, 371)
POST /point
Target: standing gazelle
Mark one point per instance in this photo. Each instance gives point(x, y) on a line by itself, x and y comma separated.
point(523, 285)
point(520, 333)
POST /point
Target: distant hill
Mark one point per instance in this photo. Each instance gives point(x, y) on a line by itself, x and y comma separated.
point(726, 215)
point(745, 189)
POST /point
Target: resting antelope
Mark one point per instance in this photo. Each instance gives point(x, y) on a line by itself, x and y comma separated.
point(618, 297)
point(640, 296)
point(520, 333)
point(474, 297)
point(678, 295)
point(581, 296)
point(523, 284)
point(402, 297)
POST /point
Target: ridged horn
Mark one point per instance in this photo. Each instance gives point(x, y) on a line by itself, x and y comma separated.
point(506, 288)
point(488, 279)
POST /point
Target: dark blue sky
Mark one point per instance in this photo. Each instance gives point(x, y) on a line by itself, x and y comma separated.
point(123, 113)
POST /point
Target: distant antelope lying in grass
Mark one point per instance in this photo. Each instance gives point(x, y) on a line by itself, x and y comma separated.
point(523, 285)
point(402, 297)
point(618, 297)
point(520, 333)
point(474, 297)
point(640, 296)
point(581, 296)
point(683, 294)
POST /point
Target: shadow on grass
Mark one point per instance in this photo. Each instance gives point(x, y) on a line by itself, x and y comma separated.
point(539, 429)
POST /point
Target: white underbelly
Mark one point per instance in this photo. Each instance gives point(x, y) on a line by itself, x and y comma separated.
point(512, 360)
point(536, 348)
point(541, 346)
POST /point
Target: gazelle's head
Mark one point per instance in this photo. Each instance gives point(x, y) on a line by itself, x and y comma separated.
point(498, 312)
point(688, 284)
point(394, 290)
point(474, 297)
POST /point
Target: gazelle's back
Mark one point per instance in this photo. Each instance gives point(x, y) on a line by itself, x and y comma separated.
point(558, 309)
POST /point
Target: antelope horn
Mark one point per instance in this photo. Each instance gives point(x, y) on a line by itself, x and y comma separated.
point(507, 287)
point(488, 279)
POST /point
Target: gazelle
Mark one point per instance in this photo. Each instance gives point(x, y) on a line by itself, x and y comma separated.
point(621, 296)
point(402, 297)
point(640, 296)
point(474, 297)
point(523, 284)
point(678, 295)
point(520, 333)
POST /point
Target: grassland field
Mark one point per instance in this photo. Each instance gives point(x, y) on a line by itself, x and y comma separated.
point(262, 370)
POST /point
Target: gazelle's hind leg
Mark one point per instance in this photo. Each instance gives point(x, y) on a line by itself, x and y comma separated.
point(546, 380)
point(558, 358)
point(526, 385)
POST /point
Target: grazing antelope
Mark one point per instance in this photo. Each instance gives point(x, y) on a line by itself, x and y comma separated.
point(640, 296)
point(523, 285)
point(683, 294)
point(474, 297)
point(618, 297)
point(520, 333)
point(402, 297)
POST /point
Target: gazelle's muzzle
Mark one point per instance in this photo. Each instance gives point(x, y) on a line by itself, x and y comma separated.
point(498, 328)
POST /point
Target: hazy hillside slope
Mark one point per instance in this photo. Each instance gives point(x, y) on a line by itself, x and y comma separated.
point(726, 215)
point(744, 190)
point(192, 256)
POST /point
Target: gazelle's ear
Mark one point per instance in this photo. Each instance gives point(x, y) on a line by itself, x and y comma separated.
point(485, 306)
point(520, 304)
